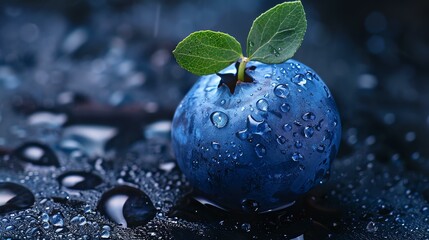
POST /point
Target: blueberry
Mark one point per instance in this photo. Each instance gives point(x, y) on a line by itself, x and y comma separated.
point(265, 144)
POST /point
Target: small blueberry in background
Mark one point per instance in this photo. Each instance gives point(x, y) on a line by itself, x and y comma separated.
point(256, 132)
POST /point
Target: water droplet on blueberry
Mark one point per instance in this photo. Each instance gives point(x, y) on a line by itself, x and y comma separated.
point(262, 105)
point(298, 144)
point(281, 139)
point(287, 127)
point(328, 94)
point(309, 76)
point(260, 150)
point(215, 145)
point(281, 91)
point(320, 148)
point(285, 107)
point(297, 157)
point(299, 80)
point(308, 131)
point(219, 119)
point(308, 116)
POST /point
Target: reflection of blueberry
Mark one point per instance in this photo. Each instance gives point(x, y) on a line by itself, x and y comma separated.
point(265, 144)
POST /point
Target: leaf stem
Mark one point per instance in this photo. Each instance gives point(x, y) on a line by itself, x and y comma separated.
point(242, 68)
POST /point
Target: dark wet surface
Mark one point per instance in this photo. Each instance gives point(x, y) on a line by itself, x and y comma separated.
point(87, 94)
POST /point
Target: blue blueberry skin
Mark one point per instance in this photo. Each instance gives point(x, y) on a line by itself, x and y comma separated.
point(257, 149)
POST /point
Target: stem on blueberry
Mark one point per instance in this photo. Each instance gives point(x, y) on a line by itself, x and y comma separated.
point(242, 68)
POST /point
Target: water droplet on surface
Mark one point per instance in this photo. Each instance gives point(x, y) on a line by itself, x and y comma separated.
point(91, 138)
point(222, 102)
point(319, 125)
point(260, 150)
point(127, 206)
point(281, 139)
point(308, 131)
point(105, 233)
point(249, 206)
point(45, 217)
point(267, 75)
point(328, 94)
point(287, 127)
point(262, 105)
point(308, 116)
point(281, 91)
point(242, 135)
point(298, 144)
point(76, 180)
point(297, 157)
point(371, 227)
point(246, 227)
point(215, 145)
point(299, 80)
point(254, 127)
point(275, 51)
point(285, 107)
point(14, 197)
point(320, 148)
point(219, 119)
point(309, 76)
point(57, 220)
point(36, 154)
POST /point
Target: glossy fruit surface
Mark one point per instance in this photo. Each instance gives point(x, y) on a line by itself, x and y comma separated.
point(259, 148)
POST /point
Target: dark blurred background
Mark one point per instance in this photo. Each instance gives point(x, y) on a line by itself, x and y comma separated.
point(372, 54)
point(110, 63)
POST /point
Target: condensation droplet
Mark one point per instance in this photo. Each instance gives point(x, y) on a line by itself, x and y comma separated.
point(297, 157)
point(298, 144)
point(328, 94)
point(285, 107)
point(260, 150)
point(262, 105)
point(308, 116)
point(281, 139)
point(308, 131)
point(299, 80)
point(215, 145)
point(281, 91)
point(371, 227)
point(287, 127)
point(219, 119)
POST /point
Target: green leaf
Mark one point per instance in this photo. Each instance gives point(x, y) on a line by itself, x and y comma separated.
point(207, 52)
point(277, 34)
